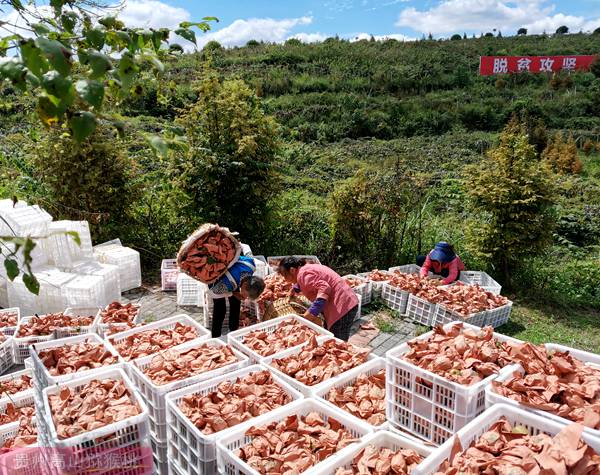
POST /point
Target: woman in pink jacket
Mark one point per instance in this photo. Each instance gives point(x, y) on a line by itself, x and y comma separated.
point(329, 293)
point(443, 261)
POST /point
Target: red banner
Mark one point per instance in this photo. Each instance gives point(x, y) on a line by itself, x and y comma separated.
point(490, 65)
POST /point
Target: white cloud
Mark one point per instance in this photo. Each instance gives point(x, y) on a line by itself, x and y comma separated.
point(392, 36)
point(259, 29)
point(152, 14)
point(456, 16)
point(310, 37)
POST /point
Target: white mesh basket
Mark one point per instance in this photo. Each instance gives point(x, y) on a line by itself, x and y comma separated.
point(21, 345)
point(128, 262)
point(394, 297)
point(420, 310)
point(168, 274)
point(365, 289)
point(444, 315)
point(10, 330)
point(498, 316)
point(102, 327)
point(376, 286)
point(20, 461)
point(189, 291)
point(81, 312)
point(192, 450)
point(110, 277)
point(13, 376)
point(482, 279)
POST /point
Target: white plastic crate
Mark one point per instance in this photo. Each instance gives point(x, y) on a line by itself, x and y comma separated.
point(62, 248)
point(190, 291)
point(420, 310)
point(102, 327)
point(364, 290)
point(444, 315)
point(20, 461)
point(130, 435)
point(308, 391)
point(3, 289)
point(175, 469)
point(193, 451)
point(161, 456)
point(85, 290)
point(492, 397)
point(236, 338)
point(164, 324)
point(348, 379)
point(427, 405)
point(406, 269)
point(273, 261)
point(482, 279)
point(376, 286)
point(155, 395)
point(394, 297)
point(6, 354)
point(16, 375)
point(168, 274)
point(109, 274)
point(262, 269)
point(21, 345)
point(65, 332)
point(480, 425)
point(11, 330)
point(24, 221)
point(43, 378)
point(230, 464)
point(381, 440)
point(128, 262)
point(498, 316)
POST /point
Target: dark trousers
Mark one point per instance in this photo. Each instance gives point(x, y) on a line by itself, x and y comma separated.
point(341, 328)
point(219, 310)
point(421, 261)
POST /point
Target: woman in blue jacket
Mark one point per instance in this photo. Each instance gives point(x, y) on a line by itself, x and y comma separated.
point(237, 284)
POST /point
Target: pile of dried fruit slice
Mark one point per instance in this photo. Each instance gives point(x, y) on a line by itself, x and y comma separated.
point(8, 318)
point(413, 283)
point(382, 461)
point(116, 312)
point(294, 444)
point(27, 435)
point(364, 398)
point(461, 355)
point(15, 385)
point(13, 414)
point(507, 449)
point(377, 275)
point(152, 341)
point(208, 257)
point(354, 281)
point(316, 362)
point(47, 324)
point(234, 402)
point(276, 288)
point(288, 333)
point(97, 404)
point(169, 365)
point(81, 356)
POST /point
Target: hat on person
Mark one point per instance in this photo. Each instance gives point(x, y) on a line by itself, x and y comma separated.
point(442, 252)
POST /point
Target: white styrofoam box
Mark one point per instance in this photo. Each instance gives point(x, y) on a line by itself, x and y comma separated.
point(492, 397)
point(482, 279)
point(498, 316)
point(43, 378)
point(229, 464)
point(194, 451)
point(85, 290)
point(160, 453)
point(272, 261)
point(236, 338)
point(394, 297)
point(128, 437)
point(9, 330)
point(164, 324)
point(128, 262)
point(3, 290)
point(427, 405)
point(481, 424)
point(154, 395)
point(382, 440)
point(62, 248)
point(420, 310)
point(190, 291)
point(109, 274)
point(6, 354)
point(364, 290)
point(308, 391)
point(444, 315)
point(348, 379)
point(376, 286)
point(51, 296)
point(168, 274)
point(21, 461)
point(21, 345)
point(81, 330)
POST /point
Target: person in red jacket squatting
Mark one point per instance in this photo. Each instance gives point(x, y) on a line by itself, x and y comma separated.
point(442, 260)
point(329, 293)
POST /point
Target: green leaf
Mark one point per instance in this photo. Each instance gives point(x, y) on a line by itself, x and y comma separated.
point(75, 236)
point(69, 20)
point(100, 63)
point(16, 4)
point(96, 37)
point(127, 70)
point(13, 70)
point(159, 145)
point(83, 124)
point(40, 29)
point(108, 21)
point(49, 112)
point(56, 85)
point(31, 283)
point(187, 34)
point(57, 5)
point(32, 56)
point(91, 92)
point(211, 18)
point(55, 52)
point(12, 268)
point(175, 48)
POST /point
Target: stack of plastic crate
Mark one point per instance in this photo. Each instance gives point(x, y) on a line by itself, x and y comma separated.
point(190, 292)
point(168, 274)
point(262, 269)
point(85, 290)
point(62, 248)
point(126, 259)
point(110, 278)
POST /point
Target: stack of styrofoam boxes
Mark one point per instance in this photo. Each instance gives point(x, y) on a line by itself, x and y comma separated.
point(106, 448)
point(376, 285)
point(168, 274)
point(126, 259)
point(154, 395)
point(492, 397)
point(228, 462)
point(427, 405)
point(110, 280)
point(191, 451)
point(364, 290)
point(529, 421)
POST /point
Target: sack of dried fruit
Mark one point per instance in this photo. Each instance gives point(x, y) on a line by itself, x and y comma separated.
point(208, 252)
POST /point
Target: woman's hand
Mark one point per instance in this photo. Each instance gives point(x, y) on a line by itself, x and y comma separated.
point(311, 318)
